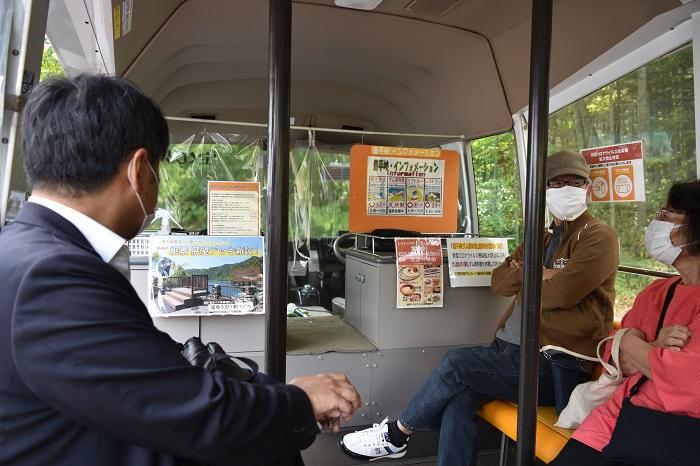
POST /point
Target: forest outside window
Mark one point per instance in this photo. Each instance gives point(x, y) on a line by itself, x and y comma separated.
point(654, 105)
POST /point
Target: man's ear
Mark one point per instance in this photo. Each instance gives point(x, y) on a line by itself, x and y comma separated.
point(137, 171)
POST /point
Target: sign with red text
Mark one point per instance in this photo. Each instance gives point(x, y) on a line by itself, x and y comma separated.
point(617, 172)
point(471, 260)
point(418, 272)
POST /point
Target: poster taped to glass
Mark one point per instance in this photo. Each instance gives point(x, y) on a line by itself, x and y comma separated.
point(405, 186)
point(471, 260)
point(205, 275)
point(418, 272)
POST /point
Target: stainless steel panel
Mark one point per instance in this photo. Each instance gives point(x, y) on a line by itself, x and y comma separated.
point(356, 366)
point(354, 281)
point(397, 375)
point(179, 328)
point(235, 333)
point(370, 302)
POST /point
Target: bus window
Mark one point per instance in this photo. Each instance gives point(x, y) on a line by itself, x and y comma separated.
point(499, 205)
point(655, 105)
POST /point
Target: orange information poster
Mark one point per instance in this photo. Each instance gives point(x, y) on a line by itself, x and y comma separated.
point(403, 188)
point(233, 208)
point(418, 272)
point(617, 172)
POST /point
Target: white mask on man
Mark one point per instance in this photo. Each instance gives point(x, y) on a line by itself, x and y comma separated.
point(147, 218)
point(567, 202)
point(657, 239)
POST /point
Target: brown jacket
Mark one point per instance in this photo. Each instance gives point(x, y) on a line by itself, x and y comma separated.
point(577, 303)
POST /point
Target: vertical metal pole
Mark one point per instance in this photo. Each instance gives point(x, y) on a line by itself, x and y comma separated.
point(280, 57)
point(534, 225)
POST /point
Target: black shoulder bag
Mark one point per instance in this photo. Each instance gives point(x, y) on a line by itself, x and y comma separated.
point(644, 436)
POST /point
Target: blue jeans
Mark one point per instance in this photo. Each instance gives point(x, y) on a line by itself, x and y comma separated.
point(466, 379)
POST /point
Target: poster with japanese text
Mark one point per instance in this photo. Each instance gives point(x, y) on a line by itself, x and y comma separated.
point(233, 208)
point(617, 172)
point(403, 188)
point(470, 261)
point(418, 272)
point(205, 275)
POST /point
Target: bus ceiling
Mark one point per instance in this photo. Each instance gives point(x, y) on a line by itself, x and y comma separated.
point(443, 67)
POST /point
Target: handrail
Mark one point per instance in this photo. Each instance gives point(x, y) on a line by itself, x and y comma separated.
point(643, 271)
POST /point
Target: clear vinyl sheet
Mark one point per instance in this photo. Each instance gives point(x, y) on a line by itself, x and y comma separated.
point(318, 195)
point(202, 157)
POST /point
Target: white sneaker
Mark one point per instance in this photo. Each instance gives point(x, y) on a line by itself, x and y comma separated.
point(371, 443)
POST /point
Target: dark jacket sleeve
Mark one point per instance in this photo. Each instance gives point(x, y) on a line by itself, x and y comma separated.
point(84, 343)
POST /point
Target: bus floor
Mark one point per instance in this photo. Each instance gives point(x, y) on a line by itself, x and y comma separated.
point(422, 450)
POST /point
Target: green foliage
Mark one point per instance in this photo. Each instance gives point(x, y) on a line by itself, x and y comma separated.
point(318, 203)
point(654, 104)
point(50, 66)
point(497, 187)
point(225, 272)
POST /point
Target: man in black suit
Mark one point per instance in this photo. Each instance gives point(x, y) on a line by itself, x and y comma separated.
point(85, 378)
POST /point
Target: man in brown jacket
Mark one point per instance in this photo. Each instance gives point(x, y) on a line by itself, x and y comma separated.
point(580, 262)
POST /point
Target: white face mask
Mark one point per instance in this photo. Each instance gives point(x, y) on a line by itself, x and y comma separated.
point(567, 202)
point(147, 218)
point(657, 239)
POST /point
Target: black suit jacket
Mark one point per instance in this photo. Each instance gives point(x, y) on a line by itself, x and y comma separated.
point(86, 379)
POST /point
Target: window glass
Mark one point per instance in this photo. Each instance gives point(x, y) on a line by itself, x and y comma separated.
point(497, 184)
point(318, 181)
point(655, 105)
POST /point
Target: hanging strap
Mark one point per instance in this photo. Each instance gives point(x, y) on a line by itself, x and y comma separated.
point(659, 326)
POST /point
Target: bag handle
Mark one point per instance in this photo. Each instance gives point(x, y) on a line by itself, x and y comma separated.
point(613, 370)
point(659, 326)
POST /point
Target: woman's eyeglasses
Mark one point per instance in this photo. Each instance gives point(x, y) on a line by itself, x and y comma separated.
point(669, 214)
point(575, 182)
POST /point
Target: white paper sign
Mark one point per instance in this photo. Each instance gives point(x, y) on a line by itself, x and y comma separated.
point(233, 208)
point(471, 260)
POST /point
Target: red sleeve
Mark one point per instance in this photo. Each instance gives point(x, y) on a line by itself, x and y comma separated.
point(676, 374)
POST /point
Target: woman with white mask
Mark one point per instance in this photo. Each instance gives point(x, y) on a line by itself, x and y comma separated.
point(654, 416)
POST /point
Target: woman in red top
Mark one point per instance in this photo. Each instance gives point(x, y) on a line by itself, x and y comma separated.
point(671, 361)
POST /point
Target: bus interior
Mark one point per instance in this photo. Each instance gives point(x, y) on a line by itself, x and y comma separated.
point(427, 74)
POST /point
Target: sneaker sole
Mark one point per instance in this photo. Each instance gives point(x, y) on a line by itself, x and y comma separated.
point(352, 454)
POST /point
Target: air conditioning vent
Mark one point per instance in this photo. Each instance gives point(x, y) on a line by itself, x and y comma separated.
point(203, 116)
point(352, 128)
point(432, 7)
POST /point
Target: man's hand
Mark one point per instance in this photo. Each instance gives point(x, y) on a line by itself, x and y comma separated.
point(515, 264)
point(332, 397)
point(673, 337)
point(549, 273)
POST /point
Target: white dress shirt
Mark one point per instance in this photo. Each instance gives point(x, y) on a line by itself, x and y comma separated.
point(111, 247)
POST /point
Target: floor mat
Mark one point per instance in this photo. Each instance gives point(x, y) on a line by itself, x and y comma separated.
point(315, 335)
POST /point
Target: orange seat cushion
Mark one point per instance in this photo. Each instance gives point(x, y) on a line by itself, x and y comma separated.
point(549, 440)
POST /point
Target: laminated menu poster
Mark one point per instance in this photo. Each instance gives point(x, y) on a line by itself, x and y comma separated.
point(418, 272)
point(205, 275)
point(471, 260)
point(233, 208)
point(403, 188)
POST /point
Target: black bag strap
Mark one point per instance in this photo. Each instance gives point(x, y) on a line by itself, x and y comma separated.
point(659, 326)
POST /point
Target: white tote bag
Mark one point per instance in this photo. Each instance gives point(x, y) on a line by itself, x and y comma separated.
point(587, 396)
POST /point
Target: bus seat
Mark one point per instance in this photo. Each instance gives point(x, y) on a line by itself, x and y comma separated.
point(549, 439)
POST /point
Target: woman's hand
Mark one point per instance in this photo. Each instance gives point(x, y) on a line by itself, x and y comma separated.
point(627, 364)
point(673, 337)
